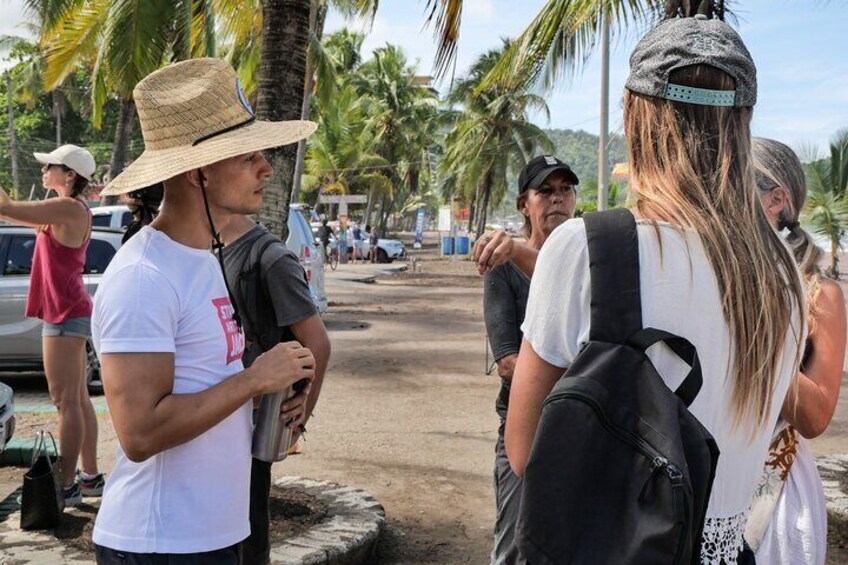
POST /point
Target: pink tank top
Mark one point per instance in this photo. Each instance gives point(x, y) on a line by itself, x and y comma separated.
point(56, 289)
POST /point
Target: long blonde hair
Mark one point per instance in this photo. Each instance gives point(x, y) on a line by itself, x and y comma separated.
point(776, 165)
point(691, 166)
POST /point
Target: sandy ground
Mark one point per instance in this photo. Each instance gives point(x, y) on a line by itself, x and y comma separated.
point(406, 413)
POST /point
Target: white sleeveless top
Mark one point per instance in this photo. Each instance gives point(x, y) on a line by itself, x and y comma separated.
point(679, 294)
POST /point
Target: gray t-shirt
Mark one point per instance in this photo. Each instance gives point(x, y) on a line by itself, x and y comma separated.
point(282, 276)
point(505, 294)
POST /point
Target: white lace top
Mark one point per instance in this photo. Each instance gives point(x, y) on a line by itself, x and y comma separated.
point(680, 295)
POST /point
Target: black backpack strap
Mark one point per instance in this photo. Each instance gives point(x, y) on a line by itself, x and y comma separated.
point(250, 294)
point(683, 348)
point(616, 311)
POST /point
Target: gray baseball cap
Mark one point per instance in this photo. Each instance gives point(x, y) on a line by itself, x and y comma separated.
point(681, 42)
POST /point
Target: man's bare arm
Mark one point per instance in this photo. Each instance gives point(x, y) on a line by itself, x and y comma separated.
point(313, 335)
point(150, 418)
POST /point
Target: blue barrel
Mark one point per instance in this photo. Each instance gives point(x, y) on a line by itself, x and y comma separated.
point(462, 245)
point(447, 245)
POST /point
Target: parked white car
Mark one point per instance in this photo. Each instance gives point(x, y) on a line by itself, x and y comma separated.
point(300, 241)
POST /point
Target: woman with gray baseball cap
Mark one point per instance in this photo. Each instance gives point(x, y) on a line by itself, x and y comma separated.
point(58, 297)
point(712, 268)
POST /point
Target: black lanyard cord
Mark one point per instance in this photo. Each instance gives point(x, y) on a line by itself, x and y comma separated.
point(218, 249)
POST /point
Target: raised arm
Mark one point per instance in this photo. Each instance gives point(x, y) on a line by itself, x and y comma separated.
point(60, 210)
point(497, 248)
point(812, 399)
point(149, 418)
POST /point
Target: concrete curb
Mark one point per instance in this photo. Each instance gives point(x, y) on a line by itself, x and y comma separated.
point(348, 537)
point(834, 474)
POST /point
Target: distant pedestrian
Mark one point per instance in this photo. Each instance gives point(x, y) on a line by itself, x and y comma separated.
point(58, 297)
point(343, 242)
point(373, 242)
point(168, 333)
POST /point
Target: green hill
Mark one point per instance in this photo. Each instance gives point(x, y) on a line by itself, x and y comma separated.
point(580, 150)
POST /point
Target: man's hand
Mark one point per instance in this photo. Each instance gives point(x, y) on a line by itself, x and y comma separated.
point(293, 410)
point(491, 250)
point(506, 366)
point(280, 367)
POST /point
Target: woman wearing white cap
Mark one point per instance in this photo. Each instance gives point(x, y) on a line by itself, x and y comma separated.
point(58, 297)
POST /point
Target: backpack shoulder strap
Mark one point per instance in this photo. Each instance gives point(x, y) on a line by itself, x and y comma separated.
point(252, 292)
point(616, 307)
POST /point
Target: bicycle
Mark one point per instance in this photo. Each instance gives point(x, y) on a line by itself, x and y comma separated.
point(331, 255)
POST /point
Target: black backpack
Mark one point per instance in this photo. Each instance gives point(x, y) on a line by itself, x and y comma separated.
point(620, 471)
point(255, 305)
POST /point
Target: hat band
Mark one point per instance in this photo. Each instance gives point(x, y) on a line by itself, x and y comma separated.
point(223, 131)
point(700, 96)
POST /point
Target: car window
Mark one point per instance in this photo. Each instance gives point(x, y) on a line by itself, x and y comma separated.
point(19, 258)
point(98, 256)
point(126, 219)
point(101, 220)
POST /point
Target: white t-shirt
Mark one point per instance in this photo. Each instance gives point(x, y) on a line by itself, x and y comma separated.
point(159, 296)
point(680, 295)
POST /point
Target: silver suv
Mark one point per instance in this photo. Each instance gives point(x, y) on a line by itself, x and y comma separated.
point(20, 337)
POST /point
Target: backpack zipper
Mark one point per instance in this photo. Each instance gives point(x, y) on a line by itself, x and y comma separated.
point(659, 463)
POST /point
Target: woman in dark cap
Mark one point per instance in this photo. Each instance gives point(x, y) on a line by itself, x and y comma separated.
point(546, 198)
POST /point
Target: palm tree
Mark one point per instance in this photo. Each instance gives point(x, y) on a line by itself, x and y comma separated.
point(122, 41)
point(827, 203)
point(399, 108)
point(492, 135)
point(30, 84)
point(563, 34)
point(340, 156)
point(271, 49)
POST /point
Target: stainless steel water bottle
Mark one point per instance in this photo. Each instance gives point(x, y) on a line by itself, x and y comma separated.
point(271, 436)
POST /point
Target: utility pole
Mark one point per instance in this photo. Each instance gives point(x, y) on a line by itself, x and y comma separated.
point(603, 138)
point(13, 140)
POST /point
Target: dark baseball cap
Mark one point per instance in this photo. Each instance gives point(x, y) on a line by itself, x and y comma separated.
point(538, 169)
point(682, 42)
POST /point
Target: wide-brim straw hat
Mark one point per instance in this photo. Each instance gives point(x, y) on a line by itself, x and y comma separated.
point(192, 114)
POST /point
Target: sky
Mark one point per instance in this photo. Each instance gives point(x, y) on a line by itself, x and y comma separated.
point(799, 47)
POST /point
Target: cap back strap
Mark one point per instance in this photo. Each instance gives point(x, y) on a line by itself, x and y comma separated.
point(700, 96)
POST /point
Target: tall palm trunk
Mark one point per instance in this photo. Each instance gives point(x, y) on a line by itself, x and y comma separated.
point(316, 23)
point(369, 207)
point(120, 149)
point(834, 258)
point(13, 139)
point(282, 72)
point(57, 113)
point(486, 186)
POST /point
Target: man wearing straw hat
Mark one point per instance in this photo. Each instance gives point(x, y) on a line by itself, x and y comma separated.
point(168, 334)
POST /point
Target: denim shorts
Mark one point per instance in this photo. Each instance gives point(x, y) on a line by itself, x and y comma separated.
point(72, 327)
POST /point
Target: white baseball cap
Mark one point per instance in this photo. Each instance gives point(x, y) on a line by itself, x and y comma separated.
point(75, 158)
